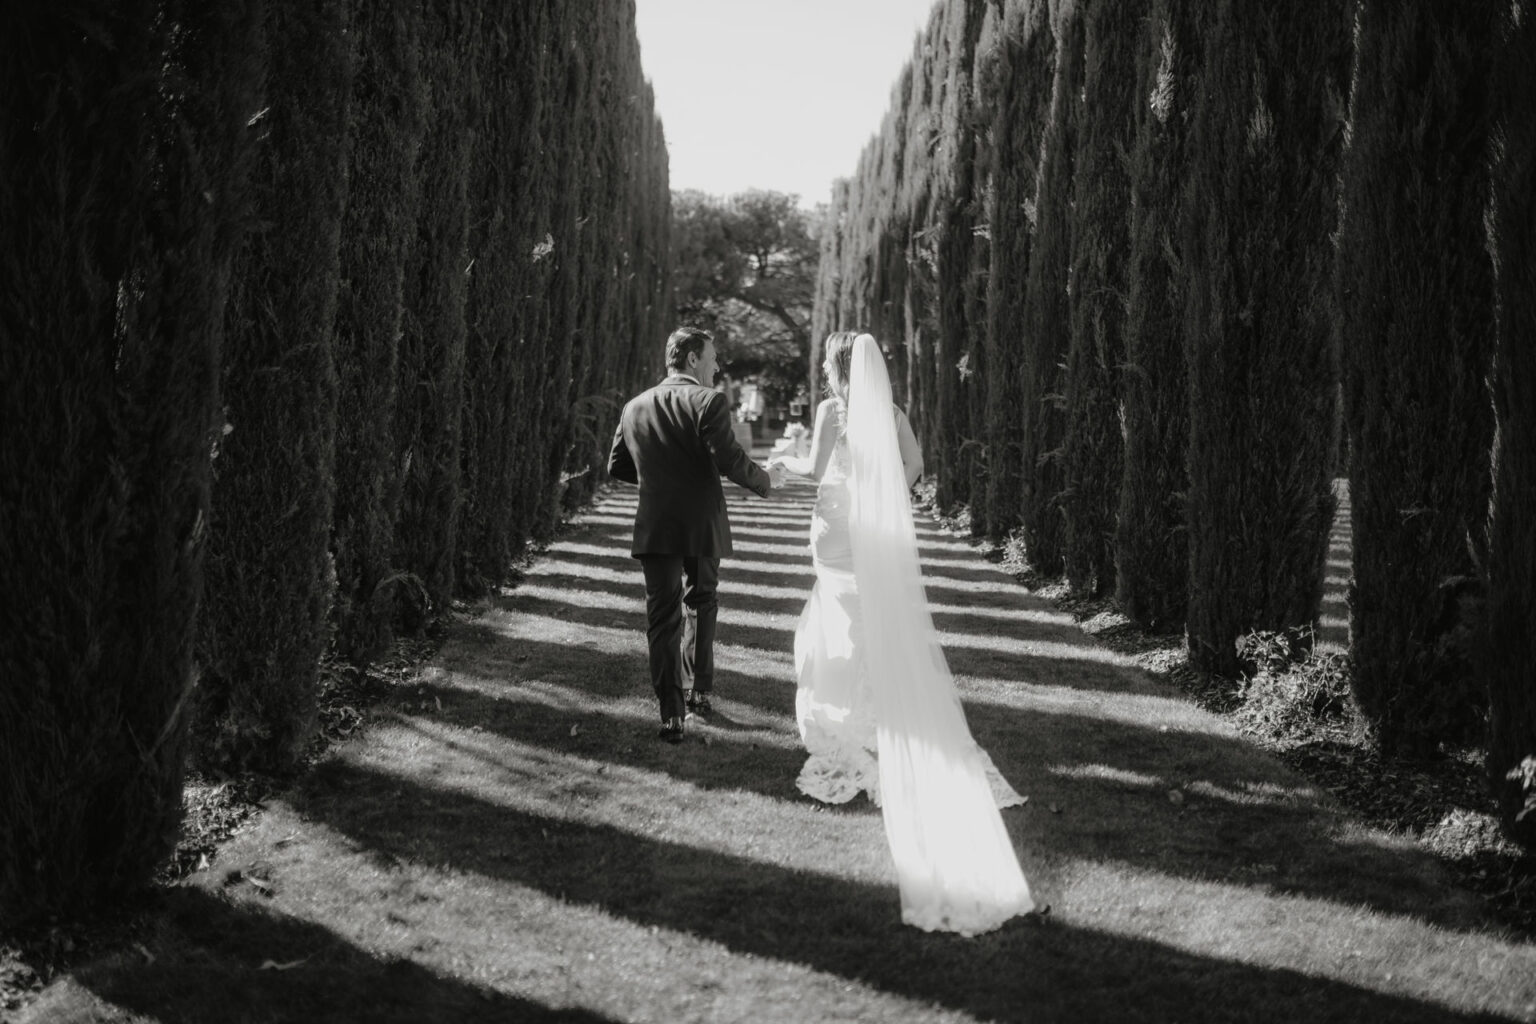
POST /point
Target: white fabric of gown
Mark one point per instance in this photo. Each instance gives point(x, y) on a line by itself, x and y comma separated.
point(955, 864)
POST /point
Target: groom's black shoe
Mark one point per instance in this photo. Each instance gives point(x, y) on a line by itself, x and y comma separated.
point(698, 704)
point(671, 730)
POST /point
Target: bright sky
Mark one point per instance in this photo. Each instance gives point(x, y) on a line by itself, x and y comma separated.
point(773, 94)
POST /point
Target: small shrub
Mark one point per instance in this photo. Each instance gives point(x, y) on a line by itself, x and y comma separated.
point(1289, 693)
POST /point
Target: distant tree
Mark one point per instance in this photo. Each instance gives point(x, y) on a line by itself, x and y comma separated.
point(1510, 647)
point(1151, 553)
point(1415, 287)
point(746, 271)
point(1092, 450)
point(1268, 130)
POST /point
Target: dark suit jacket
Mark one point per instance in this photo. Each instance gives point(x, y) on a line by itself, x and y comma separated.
point(675, 441)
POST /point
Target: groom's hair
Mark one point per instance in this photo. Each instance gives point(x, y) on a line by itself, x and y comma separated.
point(685, 340)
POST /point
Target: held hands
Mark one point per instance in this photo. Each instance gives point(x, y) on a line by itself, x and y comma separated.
point(777, 475)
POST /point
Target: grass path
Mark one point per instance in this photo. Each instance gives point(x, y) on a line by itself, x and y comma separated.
point(512, 843)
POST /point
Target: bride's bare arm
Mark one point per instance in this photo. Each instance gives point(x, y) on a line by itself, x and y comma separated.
point(823, 440)
point(911, 452)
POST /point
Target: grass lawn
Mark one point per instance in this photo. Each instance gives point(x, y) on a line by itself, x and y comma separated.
point(508, 841)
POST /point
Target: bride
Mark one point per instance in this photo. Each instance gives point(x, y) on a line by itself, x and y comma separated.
point(876, 704)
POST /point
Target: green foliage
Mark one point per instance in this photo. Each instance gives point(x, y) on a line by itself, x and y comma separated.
point(826, 314)
point(1023, 80)
point(384, 142)
point(1099, 241)
point(955, 214)
point(429, 400)
point(1047, 314)
point(123, 153)
point(505, 189)
point(1092, 449)
point(974, 379)
point(1415, 323)
point(1509, 650)
point(270, 580)
point(1261, 203)
point(570, 256)
point(189, 196)
point(1288, 690)
point(1151, 553)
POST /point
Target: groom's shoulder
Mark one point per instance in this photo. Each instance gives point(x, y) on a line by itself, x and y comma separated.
point(671, 391)
point(680, 388)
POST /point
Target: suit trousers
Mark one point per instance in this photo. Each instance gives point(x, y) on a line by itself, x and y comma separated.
point(680, 626)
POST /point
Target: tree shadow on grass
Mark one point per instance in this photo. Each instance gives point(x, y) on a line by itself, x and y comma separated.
point(208, 953)
point(1024, 971)
point(1239, 818)
point(1110, 777)
point(605, 734)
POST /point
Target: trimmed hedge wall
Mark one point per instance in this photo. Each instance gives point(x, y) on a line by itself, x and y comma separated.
point(271, 579)
point(124, 149)
point(378, 229)
point(1024, 81)
point(224, 255)
point(1509, 650)
point(1151, 553)
point(1267, 132)
point(1101, 227)
point(1415, 305)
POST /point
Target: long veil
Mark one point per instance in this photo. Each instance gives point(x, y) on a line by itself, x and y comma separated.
point(955, 865)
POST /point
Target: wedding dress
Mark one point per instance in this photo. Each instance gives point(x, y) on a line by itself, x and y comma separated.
point(876, 703)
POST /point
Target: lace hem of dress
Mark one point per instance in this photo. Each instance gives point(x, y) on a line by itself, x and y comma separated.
point(980, 915)
point(837, 780)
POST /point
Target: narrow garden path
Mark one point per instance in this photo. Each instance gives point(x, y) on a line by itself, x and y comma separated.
point(514, 844)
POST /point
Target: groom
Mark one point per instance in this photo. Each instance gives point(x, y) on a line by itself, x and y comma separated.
point(675, 441)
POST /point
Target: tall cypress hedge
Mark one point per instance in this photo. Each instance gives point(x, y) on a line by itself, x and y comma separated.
point(1267, 132)
point(913, 227)
point(980, 382)
point(608, 295)
point(1047, 319)
point(826, 316)
point(429, 398)
point(1092, 451)
point(570, 331)
point(1019, 112)
point(540, 380)
point(270, 580)
point(569, 247)
point(1510, 649)
point(1151, 552)
point(1415, 322)
point(502, 248)
point(123, 144)
point(572, 436)
point(954, 222)
point(384, 143)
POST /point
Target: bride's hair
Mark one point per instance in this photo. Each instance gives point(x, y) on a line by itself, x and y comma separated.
point(839, 348)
